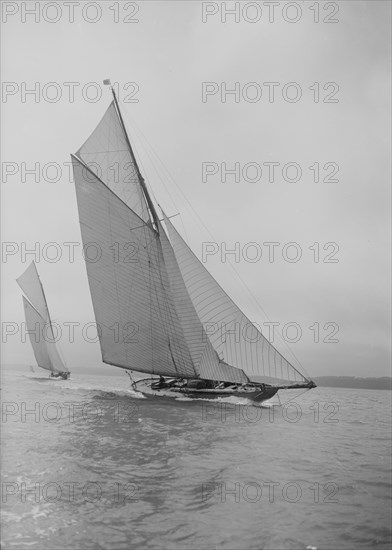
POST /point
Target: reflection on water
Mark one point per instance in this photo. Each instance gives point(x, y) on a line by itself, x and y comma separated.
point(89, 464)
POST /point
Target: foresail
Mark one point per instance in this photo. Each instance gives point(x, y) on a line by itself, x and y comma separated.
point(30, 283)
point(204, 357)
point(41, 339)
point(231, 333)
point(107, 154)
point(137, 324)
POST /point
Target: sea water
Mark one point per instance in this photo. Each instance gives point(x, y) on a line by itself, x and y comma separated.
point(89, 463)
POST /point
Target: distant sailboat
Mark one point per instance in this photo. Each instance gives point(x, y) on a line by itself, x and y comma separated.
point(39, 324)
point(152, 311)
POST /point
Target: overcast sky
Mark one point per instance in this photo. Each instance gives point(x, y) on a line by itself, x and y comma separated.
point(169, 53)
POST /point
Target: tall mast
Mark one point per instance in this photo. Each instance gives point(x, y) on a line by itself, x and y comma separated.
point(139, 175)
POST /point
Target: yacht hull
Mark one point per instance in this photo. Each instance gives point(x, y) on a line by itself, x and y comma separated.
point(61, 375)
point(254, 392)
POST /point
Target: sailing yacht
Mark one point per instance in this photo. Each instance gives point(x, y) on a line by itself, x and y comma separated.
point(153, 307)
point(39, 325)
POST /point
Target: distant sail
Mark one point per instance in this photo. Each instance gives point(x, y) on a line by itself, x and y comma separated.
point(35, 325)
point(107, 154)
point(44, 348)
point(38, 322)
point(231, 333)
point(138, 326)
point(31, 285)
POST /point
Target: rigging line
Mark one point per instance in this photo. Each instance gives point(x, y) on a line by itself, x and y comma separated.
point(154, 165)
point(133, 383)
point(140, 177)
point(209, 232)
point(142, 137)
point(146, 225)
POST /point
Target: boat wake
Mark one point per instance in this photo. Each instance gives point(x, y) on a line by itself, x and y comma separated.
point(232, 400)
point(101, 386)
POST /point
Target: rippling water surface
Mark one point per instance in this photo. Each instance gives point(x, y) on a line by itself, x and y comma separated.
point(89, 464)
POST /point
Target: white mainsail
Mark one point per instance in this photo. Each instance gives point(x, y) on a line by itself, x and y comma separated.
point(137, 323)
point(38, 322)
point(152, 297)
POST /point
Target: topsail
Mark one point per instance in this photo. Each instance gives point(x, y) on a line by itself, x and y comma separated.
point(158, 310)
point(107, 154)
